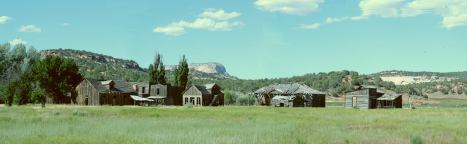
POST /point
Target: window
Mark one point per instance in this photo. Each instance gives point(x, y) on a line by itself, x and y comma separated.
point(192, 100)
point(186, 100)
point(143, 89)
point(198, 101)
point(157, 91)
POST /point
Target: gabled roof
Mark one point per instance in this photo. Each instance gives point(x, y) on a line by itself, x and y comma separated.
point(202, 89)
point(123, 86)
point(98, 85)
point(288, 89)
point(120, 86)
point(389, 97)
point(210, 86)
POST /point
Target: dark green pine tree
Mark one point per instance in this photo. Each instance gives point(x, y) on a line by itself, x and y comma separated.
point(183, 72)
point(161, 77)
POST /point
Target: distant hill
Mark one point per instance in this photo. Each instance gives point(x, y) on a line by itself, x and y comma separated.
point(99, 66)
point(408, 77)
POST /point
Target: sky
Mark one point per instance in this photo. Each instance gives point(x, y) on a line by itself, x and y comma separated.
point(252, 38)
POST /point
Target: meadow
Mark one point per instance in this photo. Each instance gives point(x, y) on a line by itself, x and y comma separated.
point(230, 124)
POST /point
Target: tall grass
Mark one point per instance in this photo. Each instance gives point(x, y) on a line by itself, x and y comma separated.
point(67, 124)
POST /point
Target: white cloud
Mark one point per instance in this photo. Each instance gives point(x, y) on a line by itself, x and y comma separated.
point(383, 8)
point(17, 41)
point(453, 12)
point(218, 14)
point(4, 19)
point(30, 28)
point(310, 26)
point(65, 24)
point(294, 7)
point(210, 19)
point(172, 30)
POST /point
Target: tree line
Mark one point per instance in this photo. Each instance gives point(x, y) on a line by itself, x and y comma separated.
point(25, 77)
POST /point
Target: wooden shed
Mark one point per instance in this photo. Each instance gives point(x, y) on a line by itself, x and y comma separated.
point(111, 92)
point(293, 95)
point(204, 95)
point(369, 97)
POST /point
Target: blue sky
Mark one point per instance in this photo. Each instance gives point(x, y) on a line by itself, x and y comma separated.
point(253, 39)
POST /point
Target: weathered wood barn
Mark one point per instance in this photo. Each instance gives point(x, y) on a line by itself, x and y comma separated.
point(369, 97)
point(204, 95)
point(293, 95)
point(111, 92)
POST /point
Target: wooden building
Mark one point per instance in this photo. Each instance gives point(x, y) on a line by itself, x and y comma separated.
point(292, 95)
point(390, 101)
point(161, 94)
point(111, 92)
point(141, 87)
point(369, 97)
point(204, 95)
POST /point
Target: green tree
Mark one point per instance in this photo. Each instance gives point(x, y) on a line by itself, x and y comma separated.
point(151, 74)
point(15, 69)
point(57, 76)
point(161, 77)
point(181, 73)
point(157, 71)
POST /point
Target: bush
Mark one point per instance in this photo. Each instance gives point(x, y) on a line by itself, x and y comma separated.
point(230, 97)
point(246, 101)
point(416, 140)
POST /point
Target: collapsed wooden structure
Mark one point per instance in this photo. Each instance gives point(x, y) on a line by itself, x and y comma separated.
point(369, 97)
point(292, 95)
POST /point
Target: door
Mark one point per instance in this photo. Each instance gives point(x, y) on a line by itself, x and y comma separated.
point(354, 102)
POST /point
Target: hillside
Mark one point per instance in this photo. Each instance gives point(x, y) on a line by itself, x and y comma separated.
point(99, 66)
point(407, 77)
point(427, 84)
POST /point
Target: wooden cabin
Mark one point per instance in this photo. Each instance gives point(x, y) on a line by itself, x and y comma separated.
point(292, 95)
point(203, 95)
point(111, 92)
point(369, 97)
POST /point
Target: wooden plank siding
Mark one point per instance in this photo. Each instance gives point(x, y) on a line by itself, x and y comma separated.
point(362, 99)
point(193, 92)
point(87, 94)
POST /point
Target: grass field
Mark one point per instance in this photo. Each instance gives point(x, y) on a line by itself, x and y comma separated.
point(71, 124)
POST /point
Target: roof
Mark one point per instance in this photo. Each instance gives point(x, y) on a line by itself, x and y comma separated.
point(371, 87)
point(202, 89)
point(389, 97)
point(106, 82)
point(288, 89)
point(156, 97)
point(210, 86)
point(139, 83)
point(138, 98)
point(123, 86)
point(120, 86)
point(98, 85)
